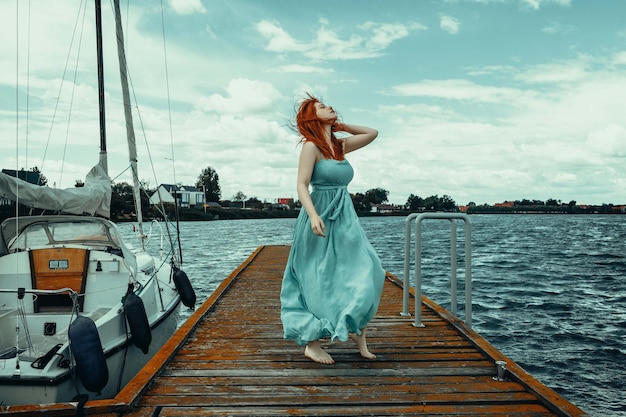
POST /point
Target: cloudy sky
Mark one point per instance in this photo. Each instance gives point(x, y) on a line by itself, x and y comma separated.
point(481, 100)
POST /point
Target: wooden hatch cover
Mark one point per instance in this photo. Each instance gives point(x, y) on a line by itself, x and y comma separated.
point(55, 269)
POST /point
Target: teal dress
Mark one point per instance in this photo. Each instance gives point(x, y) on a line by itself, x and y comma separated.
point(332, 285)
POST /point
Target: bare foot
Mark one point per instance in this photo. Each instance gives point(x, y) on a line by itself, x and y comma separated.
point(315, 352)
point(362, 344)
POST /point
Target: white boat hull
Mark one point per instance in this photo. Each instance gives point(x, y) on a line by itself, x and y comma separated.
point(35, 321)
point(125, 361)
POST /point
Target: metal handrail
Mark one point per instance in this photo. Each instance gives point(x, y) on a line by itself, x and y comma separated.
point(452, 217)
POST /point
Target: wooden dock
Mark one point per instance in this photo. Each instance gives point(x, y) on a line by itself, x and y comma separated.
point(229, 358)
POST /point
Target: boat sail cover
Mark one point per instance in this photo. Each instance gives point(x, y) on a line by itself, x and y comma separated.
point(93, 198)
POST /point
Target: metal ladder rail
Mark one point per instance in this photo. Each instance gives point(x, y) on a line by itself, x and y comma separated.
point(452, 217)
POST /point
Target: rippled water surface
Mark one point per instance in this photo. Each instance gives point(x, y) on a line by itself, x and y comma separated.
point(549, 291)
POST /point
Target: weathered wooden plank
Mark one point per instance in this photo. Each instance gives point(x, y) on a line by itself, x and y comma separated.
point(277, 360)
point(357, 398)
point(204, 348)
point(366, 410)
point(440, 382)
point(336, 371)
point(277, 356)
point(181, 386)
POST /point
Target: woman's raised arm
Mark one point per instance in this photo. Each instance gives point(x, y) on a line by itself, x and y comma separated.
point(361, 136)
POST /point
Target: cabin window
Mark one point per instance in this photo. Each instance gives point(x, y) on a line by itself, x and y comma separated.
point(66, 232)
point(33, 236)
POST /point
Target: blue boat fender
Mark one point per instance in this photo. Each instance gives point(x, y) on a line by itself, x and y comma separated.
point(184, 288)
point(137, 318)
point(91, 365)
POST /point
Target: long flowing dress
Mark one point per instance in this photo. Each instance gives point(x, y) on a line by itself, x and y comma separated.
point(332, 285)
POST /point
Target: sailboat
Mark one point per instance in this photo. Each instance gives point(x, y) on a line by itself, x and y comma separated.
point(81, 311)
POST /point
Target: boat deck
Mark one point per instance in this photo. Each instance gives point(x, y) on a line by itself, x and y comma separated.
point(229, 358)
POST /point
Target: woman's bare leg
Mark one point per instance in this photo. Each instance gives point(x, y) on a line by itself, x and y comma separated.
point(362, 344)
point(315, 352)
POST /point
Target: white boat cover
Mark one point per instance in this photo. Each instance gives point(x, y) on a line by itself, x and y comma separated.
point(93, 198)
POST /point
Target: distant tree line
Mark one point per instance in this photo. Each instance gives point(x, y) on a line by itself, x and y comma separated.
point(538, 206)
point(122, 204)
point(433, 203)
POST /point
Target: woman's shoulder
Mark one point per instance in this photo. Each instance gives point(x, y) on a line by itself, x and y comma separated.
point(311, 149)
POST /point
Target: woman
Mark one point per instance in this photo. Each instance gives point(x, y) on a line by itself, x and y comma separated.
point(333, 279)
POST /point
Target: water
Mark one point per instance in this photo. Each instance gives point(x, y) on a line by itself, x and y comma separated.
point(549, 291)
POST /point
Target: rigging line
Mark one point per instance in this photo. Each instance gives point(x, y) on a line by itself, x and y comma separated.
point(27, 336)
point(169, 112)
point(120, 174)
point(17, 153)
point(69, 116)
point(167, 83)
point(17, 100)
point(27, 84)
point(56, 105)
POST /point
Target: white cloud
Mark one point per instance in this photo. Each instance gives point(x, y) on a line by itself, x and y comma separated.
point(384, 34)
point(209, 31)
point(279, 40)
point(619, 58)
point(184, 7)
point(570, 71)
point(250, 153)
point(608, 141)
point(449, 24)
point(555, 27)
point(537, 4)
point(302, 69)
point(328, 44)
point(532, 4)
point(458, 90)
point(243, 97)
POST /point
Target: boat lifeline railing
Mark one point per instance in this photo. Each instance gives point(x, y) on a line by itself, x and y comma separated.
point(452, 217)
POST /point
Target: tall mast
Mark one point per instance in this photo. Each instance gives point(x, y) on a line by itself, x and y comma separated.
point(128, 115)
point(103, 141)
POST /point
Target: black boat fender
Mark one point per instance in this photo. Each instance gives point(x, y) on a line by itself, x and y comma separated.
point(184, 288)
point(137, 318)
point(91, 365)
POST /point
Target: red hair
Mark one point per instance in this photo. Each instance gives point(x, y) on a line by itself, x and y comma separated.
point(312, 129)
